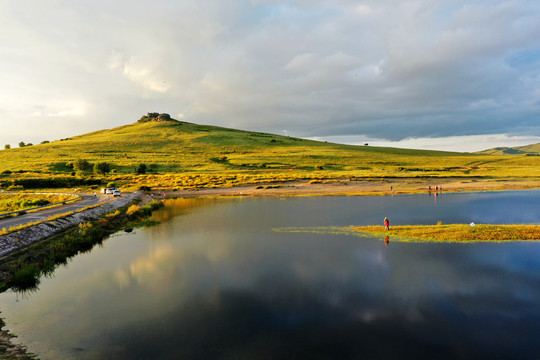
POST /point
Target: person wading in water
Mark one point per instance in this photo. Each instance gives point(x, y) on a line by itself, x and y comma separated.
point(386, 224)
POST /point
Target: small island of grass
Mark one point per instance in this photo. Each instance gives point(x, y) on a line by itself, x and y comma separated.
point(454, 232)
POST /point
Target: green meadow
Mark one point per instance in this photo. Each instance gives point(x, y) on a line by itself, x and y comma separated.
point(184, 155)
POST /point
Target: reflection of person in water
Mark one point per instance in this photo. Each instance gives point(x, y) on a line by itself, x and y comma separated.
point(386, 224)
point(386, 241)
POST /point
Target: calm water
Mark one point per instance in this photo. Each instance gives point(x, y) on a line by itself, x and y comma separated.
point(215, 281)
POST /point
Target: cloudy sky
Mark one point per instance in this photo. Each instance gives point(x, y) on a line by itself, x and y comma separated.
point(461, 75)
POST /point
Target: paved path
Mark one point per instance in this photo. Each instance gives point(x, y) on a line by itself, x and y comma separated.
point(86, 200)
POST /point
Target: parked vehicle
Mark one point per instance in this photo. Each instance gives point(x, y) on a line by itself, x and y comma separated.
point(116, 192)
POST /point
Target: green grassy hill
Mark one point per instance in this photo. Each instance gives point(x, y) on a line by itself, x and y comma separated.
point(517, 150)
point(172, 146)
point(185, 149)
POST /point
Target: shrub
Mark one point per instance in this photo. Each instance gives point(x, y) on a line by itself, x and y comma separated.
point(39, 202)
point(114, 214)
point(151, 206)
point(111, 184)
point(102, 168)
point(141, 169)
point(7, 146)
point(222, 159)
point(133, 210)
point(54, 183)
point(26, 277)
point(81, 165)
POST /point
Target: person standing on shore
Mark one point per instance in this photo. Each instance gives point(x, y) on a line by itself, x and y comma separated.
point(386, 224)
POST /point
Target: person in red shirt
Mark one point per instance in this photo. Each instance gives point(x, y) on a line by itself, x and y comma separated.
point(386, 224)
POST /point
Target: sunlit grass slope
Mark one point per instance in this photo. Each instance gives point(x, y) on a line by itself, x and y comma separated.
point(456, 232)
point(531, 150)
point(174, 147)
point(179, 146)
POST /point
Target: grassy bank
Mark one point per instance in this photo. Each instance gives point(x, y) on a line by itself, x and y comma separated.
point(181, 155)
point(454, 232)
point(22, 270)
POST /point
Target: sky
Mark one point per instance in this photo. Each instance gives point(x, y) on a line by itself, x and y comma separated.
point(449, 75)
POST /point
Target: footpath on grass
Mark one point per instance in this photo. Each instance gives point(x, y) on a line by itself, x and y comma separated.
point(20, 239)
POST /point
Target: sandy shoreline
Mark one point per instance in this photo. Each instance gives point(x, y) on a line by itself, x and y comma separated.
point(358, 187)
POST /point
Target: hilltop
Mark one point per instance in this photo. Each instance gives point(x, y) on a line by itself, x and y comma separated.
point(182, 154)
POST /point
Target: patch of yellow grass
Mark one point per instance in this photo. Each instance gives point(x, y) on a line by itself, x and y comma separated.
point(456, 232)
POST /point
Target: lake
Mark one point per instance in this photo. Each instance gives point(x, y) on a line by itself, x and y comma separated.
point(215, 280)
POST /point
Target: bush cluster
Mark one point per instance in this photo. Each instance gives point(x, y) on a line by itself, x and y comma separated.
point(54, 183)
point(220, 160)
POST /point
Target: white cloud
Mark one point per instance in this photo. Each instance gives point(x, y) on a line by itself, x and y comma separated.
point(144, 76)
point(469, 143)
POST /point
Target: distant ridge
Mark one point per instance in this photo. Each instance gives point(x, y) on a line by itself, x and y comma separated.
point(533, 149)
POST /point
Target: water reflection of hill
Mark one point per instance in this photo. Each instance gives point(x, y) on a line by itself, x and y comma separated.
point(182, 206)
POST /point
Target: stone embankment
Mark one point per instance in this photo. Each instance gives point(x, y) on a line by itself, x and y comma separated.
point(25, 237)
